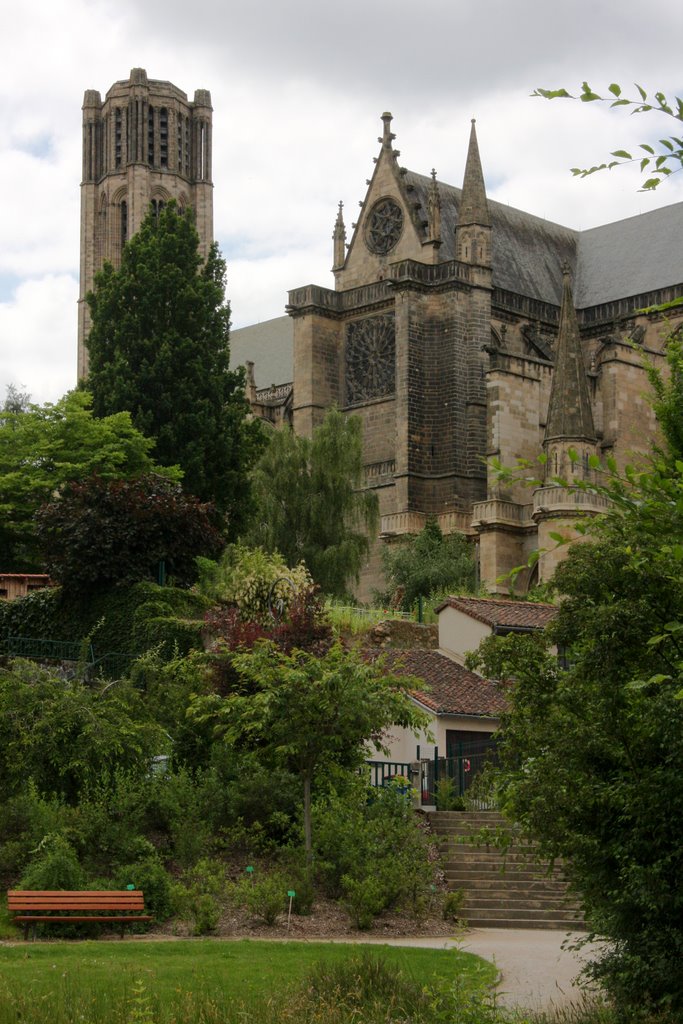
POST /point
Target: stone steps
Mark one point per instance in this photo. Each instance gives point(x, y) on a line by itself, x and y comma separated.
point(503, 887)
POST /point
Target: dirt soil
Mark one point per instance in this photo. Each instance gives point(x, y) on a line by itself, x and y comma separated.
point(327, 920)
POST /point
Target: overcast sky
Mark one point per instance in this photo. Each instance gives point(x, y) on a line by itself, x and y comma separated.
point(298, 87)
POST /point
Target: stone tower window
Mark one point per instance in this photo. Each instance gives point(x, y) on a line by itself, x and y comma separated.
point(124, 223)
point(117, 136)
point(150, 136)
point(157, 206)
point(163, 137)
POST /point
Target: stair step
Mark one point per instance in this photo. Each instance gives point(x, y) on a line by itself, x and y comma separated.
point(504, 887)
point(505, 922)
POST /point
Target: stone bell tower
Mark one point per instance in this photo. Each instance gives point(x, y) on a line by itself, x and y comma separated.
point(144, 145)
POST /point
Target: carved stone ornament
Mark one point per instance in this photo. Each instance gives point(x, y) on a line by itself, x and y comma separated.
point(370, 359)
point(384, 226)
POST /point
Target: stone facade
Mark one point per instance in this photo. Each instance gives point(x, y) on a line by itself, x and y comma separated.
point(145, 144)
point(441, 333)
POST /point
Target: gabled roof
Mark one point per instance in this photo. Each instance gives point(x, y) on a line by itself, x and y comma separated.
point(450, 688)
point(503, 614)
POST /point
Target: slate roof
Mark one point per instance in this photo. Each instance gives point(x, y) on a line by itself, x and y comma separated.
point(614, 261)
point(503, 614)
point(451, 689)
point(270, 346)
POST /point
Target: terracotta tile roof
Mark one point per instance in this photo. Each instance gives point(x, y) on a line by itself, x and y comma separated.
point(510, 614)
point(452, 689)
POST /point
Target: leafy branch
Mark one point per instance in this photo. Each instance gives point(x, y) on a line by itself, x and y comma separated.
point(661, 159)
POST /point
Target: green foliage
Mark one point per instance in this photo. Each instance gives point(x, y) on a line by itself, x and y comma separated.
point(307, 712)
point(373, 852)
point(148, 875)
point(667, 397)
point(451, 909)
point(428, 564)
point(659, 158)
point(591, 755)
point(100, 532)
point(128, 619)
point(310, 503)
point(44, 447)
point(64, 735)
point(159, 349)
point(447, 797)
point(25, 819)
point(201, 895)
point(265, 896)
point(54, 866)
point(259, 584)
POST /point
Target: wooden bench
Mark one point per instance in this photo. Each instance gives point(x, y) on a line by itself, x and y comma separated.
point(32, 908)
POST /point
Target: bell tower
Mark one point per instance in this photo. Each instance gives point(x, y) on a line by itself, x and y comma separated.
point(144, 145)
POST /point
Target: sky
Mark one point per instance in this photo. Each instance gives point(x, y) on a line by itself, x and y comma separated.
point(298, 87)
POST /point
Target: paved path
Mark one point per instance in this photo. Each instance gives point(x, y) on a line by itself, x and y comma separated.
point(536, 972)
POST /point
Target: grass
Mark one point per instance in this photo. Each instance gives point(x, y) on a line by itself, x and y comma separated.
point(199, 981)
point(350, 620)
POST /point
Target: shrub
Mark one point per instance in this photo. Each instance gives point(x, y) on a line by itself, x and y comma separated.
point(55, 866)
point(149, 875)
point(363, 899)
point(372, 838)
point(452, 905)
point(200, 896)
point(264, 897)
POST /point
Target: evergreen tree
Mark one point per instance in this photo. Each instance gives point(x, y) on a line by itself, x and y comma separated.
point(159, 349)
point(310, 505)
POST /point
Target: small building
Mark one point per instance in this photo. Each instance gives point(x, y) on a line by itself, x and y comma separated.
point(464, 708)
point(19, 584)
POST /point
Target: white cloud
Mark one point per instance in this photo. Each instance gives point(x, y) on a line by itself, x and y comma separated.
point(37, 346)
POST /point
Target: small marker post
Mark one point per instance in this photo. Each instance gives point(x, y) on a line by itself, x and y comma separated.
point(291, 893)
point(250, 871)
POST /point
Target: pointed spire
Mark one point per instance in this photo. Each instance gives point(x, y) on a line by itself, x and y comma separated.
point(570, 416)
point(339, 237)
point(434, 210)
point(473, 206)
point(387, 135)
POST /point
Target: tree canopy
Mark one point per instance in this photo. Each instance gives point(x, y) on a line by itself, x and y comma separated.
point(97, 532)
point(307, 712)
point(428, 564)
point(592, 755)
point(311, 505)
point(44, 446)
point(159, 349)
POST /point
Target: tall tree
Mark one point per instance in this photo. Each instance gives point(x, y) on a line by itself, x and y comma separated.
point(307, 712)
point(429, 564)
point(99, 532)
point(311, 505)
point(44, 446)
point(592, 755)
point(159, 349)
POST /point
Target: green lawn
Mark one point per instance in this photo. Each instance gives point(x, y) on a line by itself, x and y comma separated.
point(133, 982)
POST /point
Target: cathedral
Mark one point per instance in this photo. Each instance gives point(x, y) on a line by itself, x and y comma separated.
point(461, 331)
point(464, 332)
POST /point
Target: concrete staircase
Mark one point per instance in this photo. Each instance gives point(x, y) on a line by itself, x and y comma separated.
point(502, 889)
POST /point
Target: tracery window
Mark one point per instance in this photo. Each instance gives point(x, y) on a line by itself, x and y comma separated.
point(370, 359)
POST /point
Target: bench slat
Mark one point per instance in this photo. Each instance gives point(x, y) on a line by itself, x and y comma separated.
point(75, 905)
point(47, 919)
